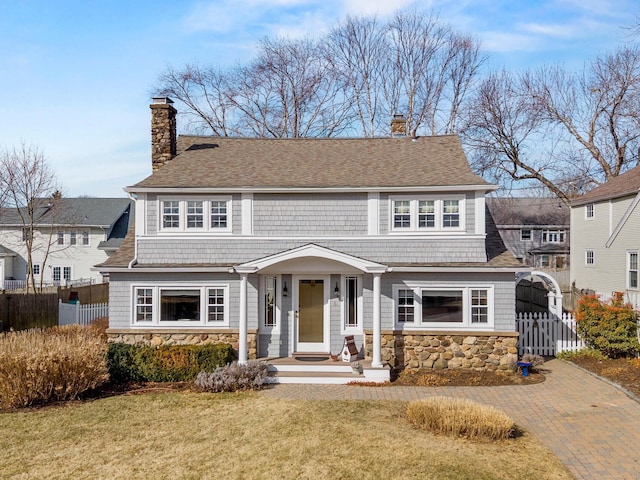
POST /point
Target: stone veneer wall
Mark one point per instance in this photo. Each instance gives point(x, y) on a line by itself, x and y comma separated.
point(177, 337)
point(440, 350)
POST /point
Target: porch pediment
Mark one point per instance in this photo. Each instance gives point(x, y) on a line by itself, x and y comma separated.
point(311, 256)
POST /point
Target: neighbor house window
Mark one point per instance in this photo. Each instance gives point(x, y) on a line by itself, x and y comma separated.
point(589, 257)
point(60, 240)
point(545, 261)
point(85, 238)
point(444, 307)
point(180, 305)
point(632, 269)
point(73, 238)
point(59, 273)
point(270, 289)
point(525, 234)
point(426, 214)
point(553, 236)
point(36, 268)
point(191, 215)
point(66, 273)
point(589, 211)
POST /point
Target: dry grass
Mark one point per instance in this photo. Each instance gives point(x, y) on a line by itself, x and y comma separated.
point(250, 436)
point(37, 366)
point(460, 417)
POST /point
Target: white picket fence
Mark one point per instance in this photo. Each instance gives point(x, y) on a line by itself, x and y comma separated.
point(70, 313)
point(547, 334)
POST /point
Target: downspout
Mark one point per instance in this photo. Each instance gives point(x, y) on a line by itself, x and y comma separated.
point(134, 260)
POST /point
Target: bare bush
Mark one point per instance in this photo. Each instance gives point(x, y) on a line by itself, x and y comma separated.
point(534, 360)
point(459, 417)
point(234, 377)
point(60, 363)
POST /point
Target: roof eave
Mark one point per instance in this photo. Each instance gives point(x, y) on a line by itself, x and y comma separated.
point(371, 188)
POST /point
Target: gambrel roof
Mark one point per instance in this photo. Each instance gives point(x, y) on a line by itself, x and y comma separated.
point(214, 162)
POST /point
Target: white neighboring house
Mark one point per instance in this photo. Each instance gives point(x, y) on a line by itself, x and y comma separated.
point(78, 232)
point(605, 239)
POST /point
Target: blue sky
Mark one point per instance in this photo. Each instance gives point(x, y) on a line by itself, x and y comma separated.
point(76, 77)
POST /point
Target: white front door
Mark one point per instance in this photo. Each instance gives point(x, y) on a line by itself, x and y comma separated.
point(311, 301)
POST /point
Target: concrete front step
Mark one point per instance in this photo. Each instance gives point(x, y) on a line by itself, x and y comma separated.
point(328, 372)
point(316, 378)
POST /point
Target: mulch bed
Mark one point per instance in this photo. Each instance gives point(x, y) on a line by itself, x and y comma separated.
point(623, 371)
point(465, 378)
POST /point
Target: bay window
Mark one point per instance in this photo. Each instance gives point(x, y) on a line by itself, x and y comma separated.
point(420, 306)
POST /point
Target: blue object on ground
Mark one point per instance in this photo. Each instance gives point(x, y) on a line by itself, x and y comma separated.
point(525, 366)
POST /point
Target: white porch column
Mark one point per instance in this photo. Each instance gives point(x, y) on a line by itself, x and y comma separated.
point(377, 329)
point(242, 341)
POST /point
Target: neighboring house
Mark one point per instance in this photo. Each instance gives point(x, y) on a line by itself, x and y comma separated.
point(605, 240)
point(71, 235)
point(534, 229)
point(287, 246)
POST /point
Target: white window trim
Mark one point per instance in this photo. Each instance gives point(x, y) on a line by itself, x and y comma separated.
point(628, 269)
point(84, 234)
point(182, 212)
point(586, 257)
point(344, 330)
point(156, 294)
point(466, 323)
point(530, 235)
point(439, 214)
point(593, 211)
point(273, 329)
point(549, 231)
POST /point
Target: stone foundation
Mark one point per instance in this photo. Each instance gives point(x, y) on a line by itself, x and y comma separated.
point(440, 350)
point(191, 337)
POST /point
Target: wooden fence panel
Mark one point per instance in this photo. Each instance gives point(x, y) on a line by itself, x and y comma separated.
point(20, 311)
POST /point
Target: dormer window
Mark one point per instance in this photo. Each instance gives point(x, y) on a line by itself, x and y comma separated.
point(190, 216)
point(427, 214)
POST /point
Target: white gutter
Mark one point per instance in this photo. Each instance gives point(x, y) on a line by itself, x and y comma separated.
point(372, 188)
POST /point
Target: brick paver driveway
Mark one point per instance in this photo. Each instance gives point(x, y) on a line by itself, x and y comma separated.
point(593, 427)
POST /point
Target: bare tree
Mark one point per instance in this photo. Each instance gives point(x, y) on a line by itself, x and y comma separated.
point(31, 189)
point(349, 82)
point(561, 130)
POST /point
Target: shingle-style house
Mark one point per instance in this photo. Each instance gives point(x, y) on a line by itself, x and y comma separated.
point(70, 236)
point(535, 229)
point(606, 238)
point(288, 246)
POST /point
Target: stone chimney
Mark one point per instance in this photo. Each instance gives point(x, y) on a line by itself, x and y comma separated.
point(398, 126)
point(163, 132)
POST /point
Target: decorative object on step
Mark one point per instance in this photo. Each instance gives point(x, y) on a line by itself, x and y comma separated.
point(356, 368)
point(349, 349)
point(309, 358)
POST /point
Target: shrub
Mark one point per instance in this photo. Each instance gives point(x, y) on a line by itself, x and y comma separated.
point(459, 417)
point(174, 363)
point(234, 377)
point(534, 360)
point(610, 328)
point(59, 363)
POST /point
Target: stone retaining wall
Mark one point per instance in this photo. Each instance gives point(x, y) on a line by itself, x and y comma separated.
point(168, 337)
point(440, 350)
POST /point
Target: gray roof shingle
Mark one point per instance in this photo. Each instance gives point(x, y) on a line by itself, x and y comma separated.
point(214, 162)
point(626, 184)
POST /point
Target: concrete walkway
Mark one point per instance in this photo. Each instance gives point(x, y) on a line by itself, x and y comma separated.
point(593, 427)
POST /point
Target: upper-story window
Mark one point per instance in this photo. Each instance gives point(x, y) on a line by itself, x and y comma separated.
point(85, 238)
point(197, 215)
point(427, 214)
point(73, 237)
point(589, 257)
point(553, 236)
point(525, 234)
point(589, 211)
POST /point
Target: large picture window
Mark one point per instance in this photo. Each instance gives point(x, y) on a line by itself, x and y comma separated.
point(180, 305)
point(186, 216)
point(443, 307)
point(427, 214)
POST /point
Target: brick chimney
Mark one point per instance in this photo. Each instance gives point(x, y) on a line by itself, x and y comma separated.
point(163, 132)
point(398, 126)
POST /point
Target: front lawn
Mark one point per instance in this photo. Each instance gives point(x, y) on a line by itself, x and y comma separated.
point(199, 435)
